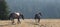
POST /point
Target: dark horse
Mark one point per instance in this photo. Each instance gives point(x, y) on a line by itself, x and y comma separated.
point(16, 15)
point(38, 16)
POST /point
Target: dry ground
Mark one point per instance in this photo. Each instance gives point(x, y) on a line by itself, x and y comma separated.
point(31, 23)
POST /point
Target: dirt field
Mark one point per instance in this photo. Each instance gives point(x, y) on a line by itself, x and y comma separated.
point(31, 23)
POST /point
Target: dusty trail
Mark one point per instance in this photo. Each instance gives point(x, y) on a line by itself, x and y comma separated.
point(31, 23)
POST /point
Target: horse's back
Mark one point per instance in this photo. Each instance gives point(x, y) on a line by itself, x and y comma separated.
point(17, 13)
point(37, 16)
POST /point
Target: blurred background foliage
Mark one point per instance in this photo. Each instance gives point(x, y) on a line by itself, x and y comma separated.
point(3, 10)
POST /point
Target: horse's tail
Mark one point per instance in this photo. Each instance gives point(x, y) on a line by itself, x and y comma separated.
point(35, 17)
point(10, 16)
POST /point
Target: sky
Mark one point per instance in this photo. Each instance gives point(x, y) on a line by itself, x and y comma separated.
point(48, 8)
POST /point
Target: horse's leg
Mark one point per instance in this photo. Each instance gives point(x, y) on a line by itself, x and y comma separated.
point(18, 21)
point(38, 20)
point(12, 19)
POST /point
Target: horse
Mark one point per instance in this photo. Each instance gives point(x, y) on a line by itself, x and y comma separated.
point(16, 15)
point(38, 17)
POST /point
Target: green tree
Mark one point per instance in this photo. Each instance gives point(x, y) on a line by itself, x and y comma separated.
point(3, 10)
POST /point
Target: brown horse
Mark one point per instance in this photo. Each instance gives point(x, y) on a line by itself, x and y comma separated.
point(16, 15)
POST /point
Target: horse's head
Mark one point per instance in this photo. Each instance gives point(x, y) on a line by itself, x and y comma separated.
point(22, 16)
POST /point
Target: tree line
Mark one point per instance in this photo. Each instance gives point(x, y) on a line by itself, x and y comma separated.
point(3, 10)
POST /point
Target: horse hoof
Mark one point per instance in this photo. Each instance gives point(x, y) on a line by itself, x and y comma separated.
point(18, 23)
point(13, 23)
